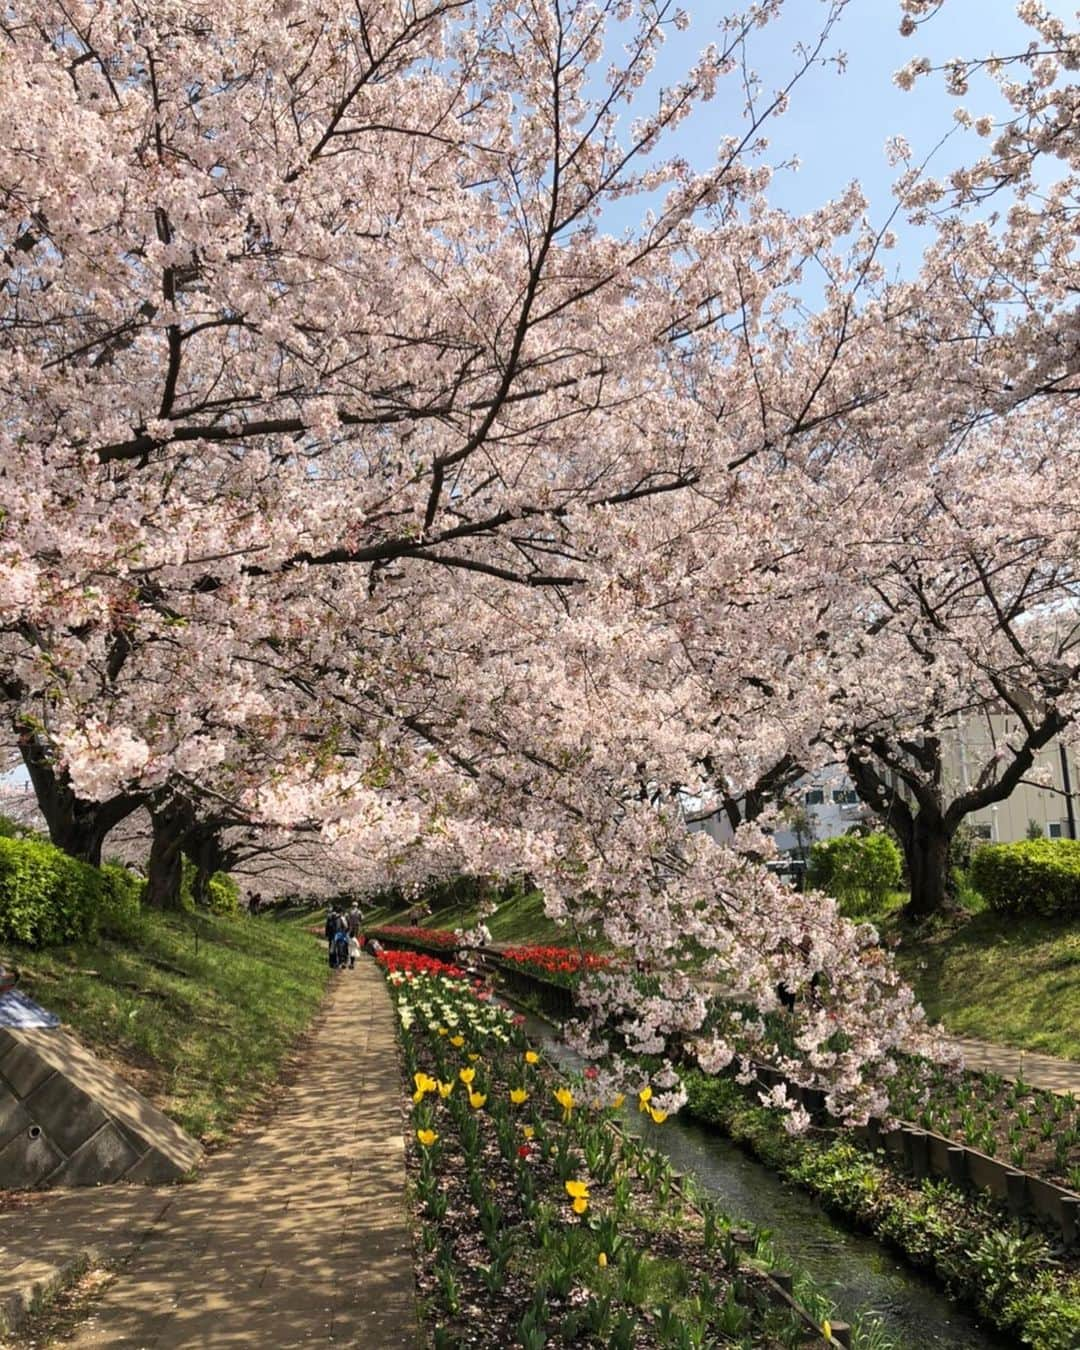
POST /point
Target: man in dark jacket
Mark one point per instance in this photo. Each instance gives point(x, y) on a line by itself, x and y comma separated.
point(334, 924)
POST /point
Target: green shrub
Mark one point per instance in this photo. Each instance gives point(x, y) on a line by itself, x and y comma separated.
point(1048, 1311)
point(1035, 876)
point(45, 895)
point(859, 871)
point(121, 901)
point(224, 894)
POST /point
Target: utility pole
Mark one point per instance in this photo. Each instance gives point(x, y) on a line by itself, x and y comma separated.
point(1066, 783)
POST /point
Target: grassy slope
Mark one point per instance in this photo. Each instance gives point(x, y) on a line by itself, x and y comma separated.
point(1013, 981)
point(200, 1026)
point(521, 919)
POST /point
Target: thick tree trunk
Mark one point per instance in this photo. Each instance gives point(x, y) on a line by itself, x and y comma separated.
point(204, 853)
point(166, 867)
point(200, 887)
point(203, 847)
point(76, 825)
point(928, 864)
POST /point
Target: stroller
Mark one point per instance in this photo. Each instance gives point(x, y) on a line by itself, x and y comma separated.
point(339, 957)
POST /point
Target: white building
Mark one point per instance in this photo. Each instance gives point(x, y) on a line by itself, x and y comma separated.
point(1049, 795)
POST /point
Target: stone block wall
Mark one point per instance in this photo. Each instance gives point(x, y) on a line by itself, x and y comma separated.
point(67, 1119)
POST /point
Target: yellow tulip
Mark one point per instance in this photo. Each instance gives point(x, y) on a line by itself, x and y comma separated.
point(417, 1096)
point(826, 1330)
point(423, 1083)
point(444, 1031)
point(466, 1075)
point(426, 1137)
point(445, 1089)
point(527, 1131)
point(580, 1206)
point(601, 1260)
point(473, 1058)
point(457, 1042)
point(620, 1098)
point(565, 1098)
point(531, 1057)
point(518, 1095)
point(477, 1099)
point(644, 1097)
point(658, 1117)
point(576, 1190)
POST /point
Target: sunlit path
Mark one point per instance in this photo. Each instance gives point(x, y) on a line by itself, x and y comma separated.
point(298, 1236)
point(1039, 1071)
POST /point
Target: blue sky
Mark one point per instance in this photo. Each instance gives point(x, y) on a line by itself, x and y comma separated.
point(837, 124)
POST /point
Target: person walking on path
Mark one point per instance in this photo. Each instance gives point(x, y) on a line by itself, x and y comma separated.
point(334, 924)
point(353, 920)
point(340, 958)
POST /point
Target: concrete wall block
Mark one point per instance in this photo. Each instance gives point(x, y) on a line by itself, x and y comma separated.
point(116, 1097)
point(23, 1067)
point(67, 1115)
point(154, 1169)
point(27, 1160)
point(106, 1156)
point(14, 1117)
point(986, 1173)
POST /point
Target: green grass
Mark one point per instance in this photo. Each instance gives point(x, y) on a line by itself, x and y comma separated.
point(519, 919)
point(1009, 980)
point(199, 1011)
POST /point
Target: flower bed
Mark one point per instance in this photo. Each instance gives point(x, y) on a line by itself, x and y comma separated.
point(1027, 1127)
point(1007, 1270)
point(537, 1223)
point(562, 965)
point(419, 963)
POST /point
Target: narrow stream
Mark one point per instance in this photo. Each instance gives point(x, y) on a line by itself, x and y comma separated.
point(861, 1276)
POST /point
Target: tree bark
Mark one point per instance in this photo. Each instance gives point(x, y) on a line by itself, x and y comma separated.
point(924, 829)
point(166, 867)
point(203, 847)
point(928, 865)
point(76, 824)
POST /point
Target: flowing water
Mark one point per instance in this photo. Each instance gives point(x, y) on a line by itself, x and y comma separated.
point(862, 1277)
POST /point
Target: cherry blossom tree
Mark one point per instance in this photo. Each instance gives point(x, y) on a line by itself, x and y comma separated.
point(358, 482)
point(320, 294)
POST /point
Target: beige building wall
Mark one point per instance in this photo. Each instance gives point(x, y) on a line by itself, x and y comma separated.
point(970, 749)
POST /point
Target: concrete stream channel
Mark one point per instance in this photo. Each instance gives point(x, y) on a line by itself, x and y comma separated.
point(862, 1277)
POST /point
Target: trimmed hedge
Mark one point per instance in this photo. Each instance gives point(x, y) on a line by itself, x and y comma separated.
point(121, 901)
point(1035, 876)
point(859, 870)
point(45, 895)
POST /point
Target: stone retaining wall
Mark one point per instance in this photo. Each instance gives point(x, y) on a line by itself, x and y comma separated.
point(66, 1119)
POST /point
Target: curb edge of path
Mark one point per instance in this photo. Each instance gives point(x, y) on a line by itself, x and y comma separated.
point(51, 1279)
point(39, 1290)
